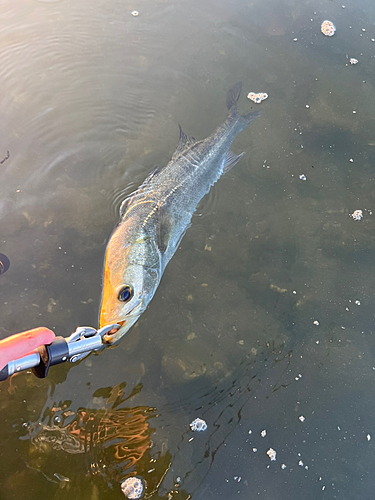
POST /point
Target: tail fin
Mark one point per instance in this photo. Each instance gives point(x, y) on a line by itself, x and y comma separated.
point(249, 117)
point(233, 95)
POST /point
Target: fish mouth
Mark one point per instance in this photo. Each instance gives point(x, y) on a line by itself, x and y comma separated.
point(131, 317)
point(114, 335)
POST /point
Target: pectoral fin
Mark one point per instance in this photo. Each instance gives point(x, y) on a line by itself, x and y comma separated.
point(164, 227)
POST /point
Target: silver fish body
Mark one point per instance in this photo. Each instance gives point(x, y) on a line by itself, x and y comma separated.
point(154, 219)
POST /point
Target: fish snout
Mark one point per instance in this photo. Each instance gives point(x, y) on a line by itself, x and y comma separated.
point(110, 315)
point(114, 335)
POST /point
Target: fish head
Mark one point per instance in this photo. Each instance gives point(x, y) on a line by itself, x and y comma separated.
point(131, 277)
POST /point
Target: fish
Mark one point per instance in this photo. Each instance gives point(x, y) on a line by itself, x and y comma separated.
point(155, 217)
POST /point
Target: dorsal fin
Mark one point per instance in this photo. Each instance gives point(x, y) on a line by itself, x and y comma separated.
point(150, 176)
point(184, 143)
point(233, 94)
point(139, 190)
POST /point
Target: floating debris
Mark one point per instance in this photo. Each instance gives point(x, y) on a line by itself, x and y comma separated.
point(133, 487)
point(303, 177)
point(328, 28)
point(135, 13)
point(61, 478)
point(257, 97)
point(272, 454)
point(198, 425)
point(357, 215)
point(263, 433)
point(6, 158)
point(353, 61)
point(302, 418)
point(4, 263)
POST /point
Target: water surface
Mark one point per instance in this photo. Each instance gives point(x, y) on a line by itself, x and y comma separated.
point(265, 313)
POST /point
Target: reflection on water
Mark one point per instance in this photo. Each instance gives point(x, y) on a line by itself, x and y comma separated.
point(118, 442)
point(263, 316)
point(114, 440)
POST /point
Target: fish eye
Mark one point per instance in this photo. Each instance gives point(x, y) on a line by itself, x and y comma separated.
point(125, 293)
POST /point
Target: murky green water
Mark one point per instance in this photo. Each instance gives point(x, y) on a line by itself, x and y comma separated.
point(90, 101)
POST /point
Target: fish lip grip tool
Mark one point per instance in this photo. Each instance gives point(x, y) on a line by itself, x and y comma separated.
point(74, 348)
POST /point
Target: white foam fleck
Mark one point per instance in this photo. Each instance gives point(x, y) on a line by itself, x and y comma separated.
point(133, 487)
point(257, 98)
point(272, 454)
point(357, 215)
point(198, 425)
point(328, 28)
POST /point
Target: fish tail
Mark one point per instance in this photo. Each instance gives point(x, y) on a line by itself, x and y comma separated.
point(233, 95)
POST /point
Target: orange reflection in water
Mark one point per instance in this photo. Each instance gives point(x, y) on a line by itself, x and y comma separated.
point(124, 431)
